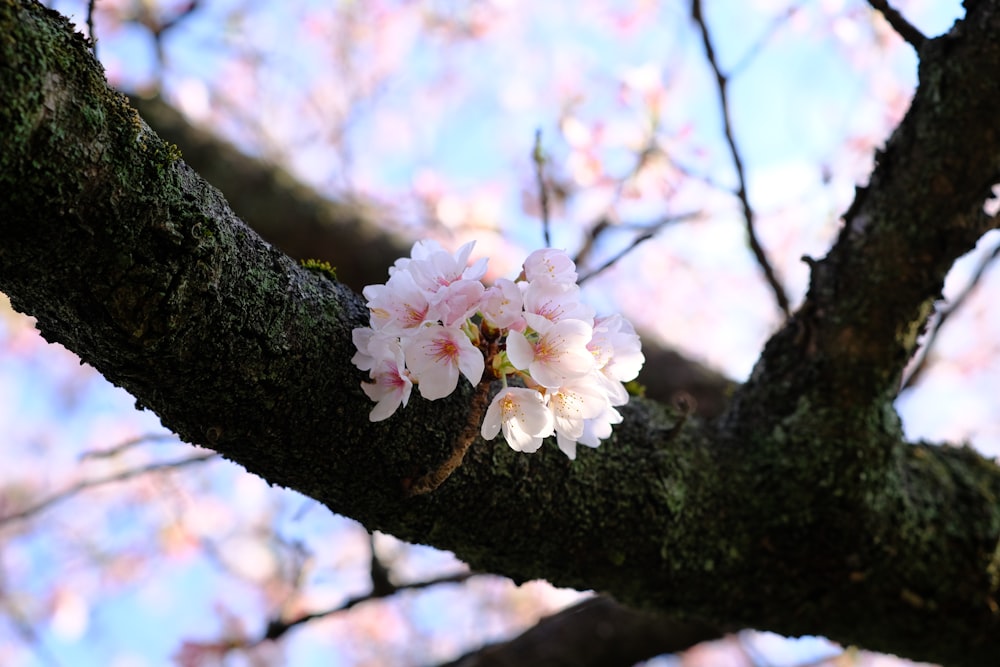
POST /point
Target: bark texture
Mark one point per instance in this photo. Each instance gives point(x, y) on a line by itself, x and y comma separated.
point(800, 510)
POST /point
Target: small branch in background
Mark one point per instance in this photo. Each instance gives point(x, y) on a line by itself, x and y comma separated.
point(100, 481)
point(277, 628)
point(605, 222)
point(905, 29)
point(538, 157)
point(649, 232)
point(748, 214)
point(944, 314)
point(158, 26)
point(776, 24)
point(590, 240)
point(129, 444)
point(90, 26)
point(608, 264)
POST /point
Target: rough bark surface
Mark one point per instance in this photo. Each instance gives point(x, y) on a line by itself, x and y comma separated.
point(800, 510)
point(594, 633)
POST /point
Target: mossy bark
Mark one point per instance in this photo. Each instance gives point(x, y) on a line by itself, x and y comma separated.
point(800, 510)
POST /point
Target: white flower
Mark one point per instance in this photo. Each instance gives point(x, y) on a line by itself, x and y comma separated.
point(397, 306)
point(457, 302)
point(435, 355)
point(575, 402)
point(420, 331)
point(374, 347)
point(616, 348)
point(599, 428)
point(501, 304)
point(549, 264)
point(522, 415)
point(594, 430)
point(555, 301)
point(391, 388)
point(363, 359)
point(433, 268)
point(557, 355)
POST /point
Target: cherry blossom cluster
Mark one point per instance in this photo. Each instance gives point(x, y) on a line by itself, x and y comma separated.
point(435, 320)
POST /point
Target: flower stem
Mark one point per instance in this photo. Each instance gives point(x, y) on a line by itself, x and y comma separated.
point(477, 408)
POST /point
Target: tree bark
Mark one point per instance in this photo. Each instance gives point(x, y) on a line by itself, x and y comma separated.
point(597, 632)
point(801, 510)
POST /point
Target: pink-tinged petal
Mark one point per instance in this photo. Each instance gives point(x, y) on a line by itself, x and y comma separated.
point(502, 304)
point(561, 354)
point(523, 417)
point(457, 302)
point(437, 269)
point(550, 264)
point(492, 420)
point(519, 351)
point(362, 358)
point(390, 389)
point(425, 248)
point(617, 348)
point(471, 362)
point(374, 349)
point(556, 301)
point(397, 307)
point(436, 354)
point(437, 381)
point(576, 402)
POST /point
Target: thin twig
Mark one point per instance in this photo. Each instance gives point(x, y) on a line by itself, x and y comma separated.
point(741, 193)
point(276, 628)
point(606, 223)
point(100, 481)
point(538, 157)
point(944, 314)
point(905, 29)
point(608, 264)
point(650, 232)
point(129, 444)
point(776, 24)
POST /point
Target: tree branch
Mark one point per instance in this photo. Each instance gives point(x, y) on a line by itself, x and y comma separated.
point(944, 313)
point(906, 30)
point(597, 632)
point(277, 628)
point(802, 510)
point(741, 191)
point(75, 489)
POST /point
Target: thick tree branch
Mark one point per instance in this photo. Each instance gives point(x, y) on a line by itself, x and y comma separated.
point(597, 632)
point(801, 511)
